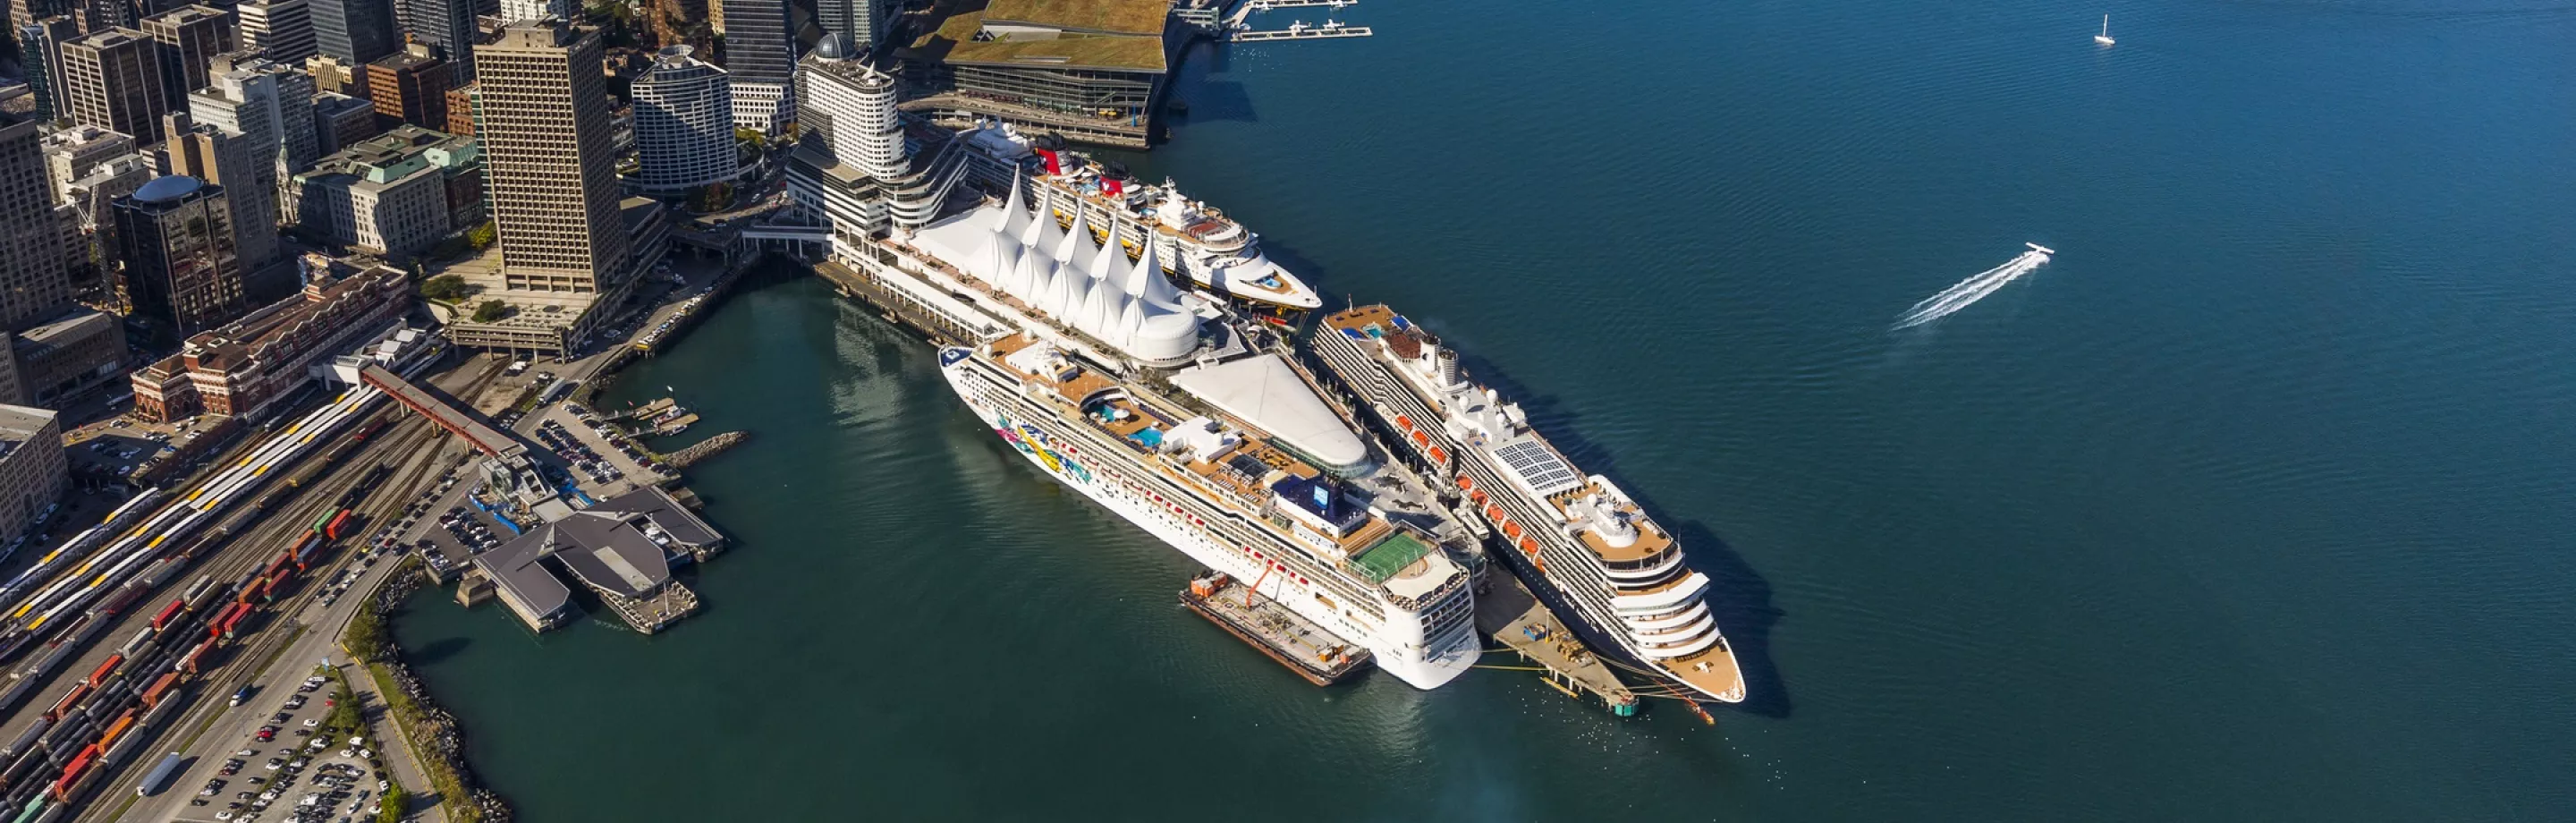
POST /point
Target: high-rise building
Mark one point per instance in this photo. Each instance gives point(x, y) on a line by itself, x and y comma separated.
point(760, 55)
point(189, 38)
point(266, 100)
point(410, 87)
point(849, 171)
point(543, 123)
point(101, 15)
point(444, 25)
point(281, 30)
point(460, 111)
point(71, 153)
point(175, 240)
point(863, 22)
point(33, 282)
point(40, 50)
point(683, 125)
point(333, 75)
point(25, 12)
point(340, 120)
point(531, 10)
point(387, 195)
point(356, 31)
point(112, 79)
point(1087, 71)
point(33, 471)
point(244, 166)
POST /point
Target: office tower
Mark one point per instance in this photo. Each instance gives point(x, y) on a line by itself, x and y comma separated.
point(281, 30)
point(387, 195)
point(40, 51)
point(112, 79)
point(862, 21)
point(264, 99)
point(410, 87)
point(34, 283)
point(27, 12)
point(460, 111)
point(71, 153)
point(530, 10)
point(341, 120)
point(445, 25)
point(189, 38)
point(543, 123)
point(760, 57)
point(244, 167)
point(683, 124)
point(356, 31)
point(175, 243)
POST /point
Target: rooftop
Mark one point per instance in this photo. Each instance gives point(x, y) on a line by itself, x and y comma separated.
point(1138, 17)
point(18, 423)
point(1121, 42)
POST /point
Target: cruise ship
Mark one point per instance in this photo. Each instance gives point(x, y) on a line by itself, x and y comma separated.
point(1584, 546)
point(1107, 378)
point(1190, 237)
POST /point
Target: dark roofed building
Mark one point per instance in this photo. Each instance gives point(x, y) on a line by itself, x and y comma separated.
point(623, 549)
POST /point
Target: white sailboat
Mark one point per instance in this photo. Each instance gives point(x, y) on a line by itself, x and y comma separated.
point(2105, 37)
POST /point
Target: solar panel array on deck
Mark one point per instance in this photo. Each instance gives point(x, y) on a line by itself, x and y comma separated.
point(1538, 467)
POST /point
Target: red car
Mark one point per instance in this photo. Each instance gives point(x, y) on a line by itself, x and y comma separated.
point(266, 733)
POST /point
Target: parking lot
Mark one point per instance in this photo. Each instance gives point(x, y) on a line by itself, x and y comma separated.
point(602, 459)
point(308, 761)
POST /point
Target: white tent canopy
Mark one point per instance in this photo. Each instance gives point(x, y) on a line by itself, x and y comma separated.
point(1264, 392)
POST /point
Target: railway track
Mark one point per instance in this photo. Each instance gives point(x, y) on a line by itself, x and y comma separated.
point(353, 480)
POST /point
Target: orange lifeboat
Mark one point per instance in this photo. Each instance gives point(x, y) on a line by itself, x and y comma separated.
point(1439, 455)
point(1403, 422)
point(1511, 529)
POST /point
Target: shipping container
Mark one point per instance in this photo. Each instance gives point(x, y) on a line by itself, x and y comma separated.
point(323, 523)
point(124, 723)
point(160, 688)
point(232, 628)
point(75, 775)
point(99, 675)
point(142, 637)
point(168, 613)
point(70, 699)
point(188, 663)
point(337, 523)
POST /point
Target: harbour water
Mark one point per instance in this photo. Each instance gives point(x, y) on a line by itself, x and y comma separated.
point(2248, 506)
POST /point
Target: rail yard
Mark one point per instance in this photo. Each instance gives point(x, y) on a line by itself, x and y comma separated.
point(178, 594)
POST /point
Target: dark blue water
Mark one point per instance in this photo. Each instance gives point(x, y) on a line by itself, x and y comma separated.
point(2249, 506)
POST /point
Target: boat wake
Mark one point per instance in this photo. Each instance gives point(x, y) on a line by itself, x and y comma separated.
point(1973, 289)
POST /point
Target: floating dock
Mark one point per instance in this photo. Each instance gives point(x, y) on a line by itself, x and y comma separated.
point(1300, 33)
point(1295, 643)
point(1510, 614)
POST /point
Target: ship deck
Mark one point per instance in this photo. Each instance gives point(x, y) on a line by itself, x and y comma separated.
point(1292, 641)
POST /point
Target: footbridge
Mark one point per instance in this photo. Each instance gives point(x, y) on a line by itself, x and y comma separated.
point(461, 422)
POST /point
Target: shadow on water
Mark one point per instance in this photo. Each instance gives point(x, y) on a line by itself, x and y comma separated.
point(437, 650)
point(1739, 598)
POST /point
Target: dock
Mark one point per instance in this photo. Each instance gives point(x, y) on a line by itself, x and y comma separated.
point(1299, 31)
point(1510, 614)
point(1290, 640)
point(1248, 8)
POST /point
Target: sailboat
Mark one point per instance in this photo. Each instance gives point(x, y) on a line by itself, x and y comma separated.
point(2105, 37)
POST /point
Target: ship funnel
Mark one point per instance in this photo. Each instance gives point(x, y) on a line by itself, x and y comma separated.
point(1448, 360)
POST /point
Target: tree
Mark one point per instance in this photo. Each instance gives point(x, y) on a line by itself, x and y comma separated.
point(445, 288)
point(490, 310)
point(482, 236)
point(390, 808)
point(751, 136)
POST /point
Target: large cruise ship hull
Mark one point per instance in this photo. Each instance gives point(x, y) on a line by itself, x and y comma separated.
point(1417, 667)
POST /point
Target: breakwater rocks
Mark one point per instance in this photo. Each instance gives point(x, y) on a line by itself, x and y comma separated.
point(436, 735)
point(704, 449)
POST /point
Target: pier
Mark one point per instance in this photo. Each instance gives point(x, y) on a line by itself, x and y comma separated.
point(1246, 10)
point(1300, 31)
point(1286, 638)
point(1510, 614)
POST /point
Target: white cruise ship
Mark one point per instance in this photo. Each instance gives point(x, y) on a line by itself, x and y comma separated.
point(1191, 238)
point(1243, 467)
point(1578, 540)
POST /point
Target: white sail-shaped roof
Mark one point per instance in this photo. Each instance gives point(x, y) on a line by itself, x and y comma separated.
point(1015, 215)
point(1070, 279)
point(1264, 392)
point(1076, 241)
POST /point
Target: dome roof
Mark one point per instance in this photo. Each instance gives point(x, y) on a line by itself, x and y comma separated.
point(168, 189)
point(834, 47)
